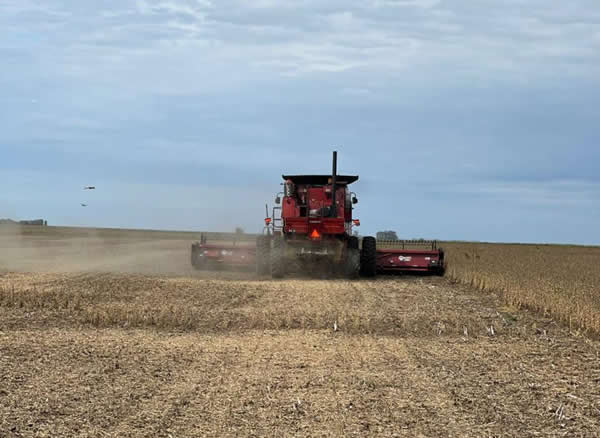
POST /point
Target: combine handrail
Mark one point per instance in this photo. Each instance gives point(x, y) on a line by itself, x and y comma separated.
point(205, 237)
point(414, 242)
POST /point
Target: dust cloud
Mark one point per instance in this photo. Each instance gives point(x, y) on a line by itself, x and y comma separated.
point(54, 250)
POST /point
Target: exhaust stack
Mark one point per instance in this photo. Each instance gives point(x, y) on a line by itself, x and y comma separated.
point(333, 185)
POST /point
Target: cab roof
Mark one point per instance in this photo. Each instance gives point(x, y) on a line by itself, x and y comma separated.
point(320, 180)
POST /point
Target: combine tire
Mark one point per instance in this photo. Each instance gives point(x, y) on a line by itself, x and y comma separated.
point(351, 264)
point(353, 242)
point(441, 270)
point(277, 258)
point(368, 257)
point(263, 255)
point(197, 262)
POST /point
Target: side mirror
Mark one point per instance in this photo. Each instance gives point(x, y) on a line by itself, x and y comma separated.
point(278, 200)
point(354, 200)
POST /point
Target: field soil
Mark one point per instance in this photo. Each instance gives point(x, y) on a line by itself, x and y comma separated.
point(120, 337)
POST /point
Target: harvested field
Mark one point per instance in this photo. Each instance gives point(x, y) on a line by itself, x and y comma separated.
point(126, 340)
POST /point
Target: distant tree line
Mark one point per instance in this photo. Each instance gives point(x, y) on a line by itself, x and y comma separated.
point(41, 222)
point(391, 235)
point(386, 235)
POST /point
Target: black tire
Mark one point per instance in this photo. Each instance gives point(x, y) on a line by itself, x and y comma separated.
point(441, 269)
point(353, 242)
point(368, 257)
point(263, 255)
point(351, 264)
point(277, 257)
point(197, 262)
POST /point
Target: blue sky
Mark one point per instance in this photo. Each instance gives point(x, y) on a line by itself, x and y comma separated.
point(474, 120)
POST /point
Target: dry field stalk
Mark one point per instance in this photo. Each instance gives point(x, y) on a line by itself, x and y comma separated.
point(557, 280)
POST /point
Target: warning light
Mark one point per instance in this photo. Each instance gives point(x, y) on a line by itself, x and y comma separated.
point(356, 222)
point(315, 234)
point(267, 221)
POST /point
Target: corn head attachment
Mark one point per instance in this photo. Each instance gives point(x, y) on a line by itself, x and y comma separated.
point(219, 254)
point(398, 256)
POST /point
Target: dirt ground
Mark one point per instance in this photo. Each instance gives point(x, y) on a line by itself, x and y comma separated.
point(122, 338)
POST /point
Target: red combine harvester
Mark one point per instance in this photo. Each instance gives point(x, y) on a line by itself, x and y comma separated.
point(311, 229)
point(314, 229)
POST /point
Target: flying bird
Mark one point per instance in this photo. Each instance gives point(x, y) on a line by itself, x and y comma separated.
point(84, 205)
point(89, 188)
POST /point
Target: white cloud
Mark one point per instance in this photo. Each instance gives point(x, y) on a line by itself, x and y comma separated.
point(127, 41)
point(480, 89)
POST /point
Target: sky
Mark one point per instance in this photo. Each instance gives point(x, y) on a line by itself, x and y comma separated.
point(471, 120)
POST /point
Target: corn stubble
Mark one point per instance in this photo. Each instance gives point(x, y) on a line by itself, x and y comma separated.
point(130, 341)
point(216, 306)
point(109, 354)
